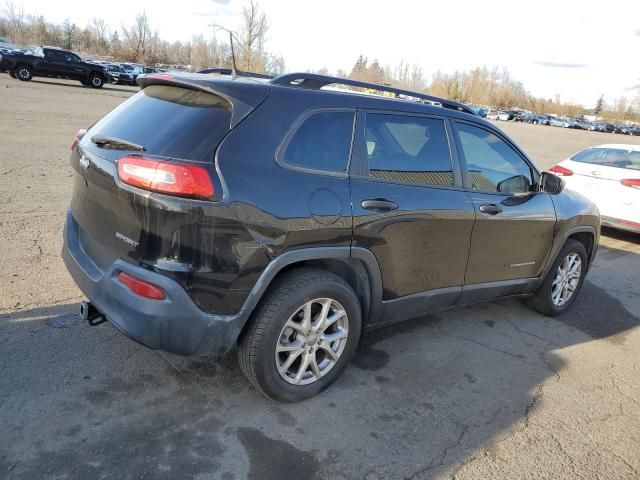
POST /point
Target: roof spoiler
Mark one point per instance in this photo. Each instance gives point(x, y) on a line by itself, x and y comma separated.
point(243, 97)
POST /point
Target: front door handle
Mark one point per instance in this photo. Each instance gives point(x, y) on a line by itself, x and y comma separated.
point(379, 204)
point(490, 209)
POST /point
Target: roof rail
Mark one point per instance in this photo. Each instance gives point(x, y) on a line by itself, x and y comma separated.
point(314, 81)
point(239, 73)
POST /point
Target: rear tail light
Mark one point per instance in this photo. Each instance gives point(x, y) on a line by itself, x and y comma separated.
point(165, 177)
point(140, 287)
point(561, 171)
point(77, 137)
point(631, 182)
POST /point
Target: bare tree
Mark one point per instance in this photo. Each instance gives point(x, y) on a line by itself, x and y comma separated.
point(137, 38)
point(100, 30)
point(15, 18)
point(253, 35)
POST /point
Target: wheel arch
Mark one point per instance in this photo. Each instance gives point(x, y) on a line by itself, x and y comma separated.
point(357, 266)
point(587, 235)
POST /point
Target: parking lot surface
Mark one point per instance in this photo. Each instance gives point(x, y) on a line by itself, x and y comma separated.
point(488, 391)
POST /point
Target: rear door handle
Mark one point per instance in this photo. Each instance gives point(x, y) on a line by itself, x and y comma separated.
point(490, 209)
point(379, 204)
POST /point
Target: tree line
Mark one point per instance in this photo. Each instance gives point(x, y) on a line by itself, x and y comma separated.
point(140, 42)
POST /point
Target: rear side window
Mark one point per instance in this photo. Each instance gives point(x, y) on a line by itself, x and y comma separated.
point(322, 142)
point(167, 121)
point(609, 157)
point(493, 165)
point(408, 149)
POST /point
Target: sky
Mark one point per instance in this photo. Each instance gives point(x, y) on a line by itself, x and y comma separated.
point(577, 49)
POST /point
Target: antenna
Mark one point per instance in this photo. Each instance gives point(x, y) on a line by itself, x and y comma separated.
point(234, 71)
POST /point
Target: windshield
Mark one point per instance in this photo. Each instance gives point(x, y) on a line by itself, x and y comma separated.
point(609, 157)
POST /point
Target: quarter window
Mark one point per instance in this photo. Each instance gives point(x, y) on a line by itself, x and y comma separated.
point(408, 149)
point(322, 142)
point(492, 164)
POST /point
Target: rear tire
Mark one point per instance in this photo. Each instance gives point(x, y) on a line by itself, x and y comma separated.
point(563, 282)
point(23, 73)
point(323, 345)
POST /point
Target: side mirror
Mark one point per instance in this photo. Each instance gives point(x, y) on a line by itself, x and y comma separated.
point(551, 183)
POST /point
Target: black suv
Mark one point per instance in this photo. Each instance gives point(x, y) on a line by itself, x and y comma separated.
point(287, 218)
point(54, 63)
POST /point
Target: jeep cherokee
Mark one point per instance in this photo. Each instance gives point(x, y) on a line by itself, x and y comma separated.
point(286, 218)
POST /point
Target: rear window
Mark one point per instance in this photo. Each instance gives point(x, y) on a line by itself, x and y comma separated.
point(609, 157)
point(167, 121)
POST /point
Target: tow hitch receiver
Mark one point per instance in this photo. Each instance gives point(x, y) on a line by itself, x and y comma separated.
point(91, 314)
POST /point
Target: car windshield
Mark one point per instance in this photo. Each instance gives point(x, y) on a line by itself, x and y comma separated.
point(115, 68)
point(609, 157)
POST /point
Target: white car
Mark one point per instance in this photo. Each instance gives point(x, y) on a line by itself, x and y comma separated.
point(609, 176)
point(493, 114)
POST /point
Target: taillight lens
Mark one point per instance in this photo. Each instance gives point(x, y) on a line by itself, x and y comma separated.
point(165, 177)
point(631, 182)
point(142, 288)
point(77, 137)
point(561, 171)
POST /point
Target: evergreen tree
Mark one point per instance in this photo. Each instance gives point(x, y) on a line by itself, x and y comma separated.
point(599, 105)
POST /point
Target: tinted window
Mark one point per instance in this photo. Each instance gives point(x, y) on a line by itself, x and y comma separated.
point(493, 165)
point(609, 157)
point(322, 142)
point(54, 55)
point(167, 121)
point(71, 57)
point(408, 149)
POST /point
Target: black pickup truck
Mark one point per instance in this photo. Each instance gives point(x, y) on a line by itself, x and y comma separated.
point(54, 63)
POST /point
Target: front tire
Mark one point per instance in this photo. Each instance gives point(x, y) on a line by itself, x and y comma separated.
point(23, 73)
point(96, 81)
point(302, 336)
point(564, 281)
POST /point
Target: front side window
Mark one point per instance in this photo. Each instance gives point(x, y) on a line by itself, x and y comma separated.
point(493, 165)
point(322, 142)
point(408, 149)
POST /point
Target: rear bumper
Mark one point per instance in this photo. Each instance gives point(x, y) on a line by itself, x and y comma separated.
point(621, 224)
point(174, 324)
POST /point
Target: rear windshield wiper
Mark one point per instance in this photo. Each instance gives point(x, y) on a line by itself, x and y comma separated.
point(113, 143)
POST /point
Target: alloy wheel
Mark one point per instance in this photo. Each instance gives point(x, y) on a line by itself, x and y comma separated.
point(566, 280)
point(312, 341)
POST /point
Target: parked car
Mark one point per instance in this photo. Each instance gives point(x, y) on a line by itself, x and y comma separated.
point(581, 124)
point(504, 115)
point(524, 117)
point(119, 75)
point(479, 110)
point(561, 122)
point(608, 175)
point(609, 128)
point(200, 222)
point(134, 69)
point(492, 114)
point(54, 63)
point(627, 130)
